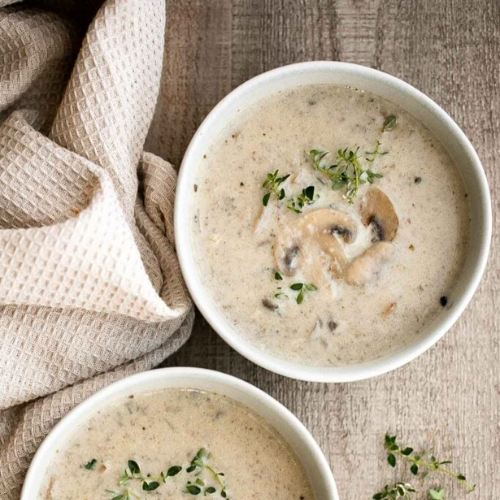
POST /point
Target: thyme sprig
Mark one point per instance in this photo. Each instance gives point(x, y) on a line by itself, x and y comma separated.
point(346, 173)
point(422, 460)
point(273, 183)
point(375, 153)
point(302, 288)
point(397, 490)
point(198, 463)
point(306, 197)
point(149, 483)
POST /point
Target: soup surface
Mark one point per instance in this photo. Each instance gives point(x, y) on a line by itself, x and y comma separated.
point(176, 444)
point(329, 225)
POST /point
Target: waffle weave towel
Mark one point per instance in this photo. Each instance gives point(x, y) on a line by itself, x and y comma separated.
point(90, 288)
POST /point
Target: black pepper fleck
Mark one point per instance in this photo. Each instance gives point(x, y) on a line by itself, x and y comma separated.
point(418, 180)
point(443, 300)
point(332, 325)
point(195, 188)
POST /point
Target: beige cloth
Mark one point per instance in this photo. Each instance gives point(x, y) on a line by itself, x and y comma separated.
point(90, 288)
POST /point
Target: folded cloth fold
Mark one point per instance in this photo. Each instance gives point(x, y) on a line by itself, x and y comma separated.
point(90, 287)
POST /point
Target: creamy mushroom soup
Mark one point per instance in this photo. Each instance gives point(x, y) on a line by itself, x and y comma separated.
point(176, 444)
point(329, 225)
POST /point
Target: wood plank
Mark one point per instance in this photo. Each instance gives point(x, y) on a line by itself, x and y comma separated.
point(197, 73)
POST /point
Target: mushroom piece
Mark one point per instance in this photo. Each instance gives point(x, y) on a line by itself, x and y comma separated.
point(287, 257)
point(334, 249)
point(330, 222)
point(315, 263)
point(324, 225)
point(316, 246)
point(378, 210)
point(368, 265)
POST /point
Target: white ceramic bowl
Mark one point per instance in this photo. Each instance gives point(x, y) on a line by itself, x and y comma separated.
point(414, 102)
point(264, 405)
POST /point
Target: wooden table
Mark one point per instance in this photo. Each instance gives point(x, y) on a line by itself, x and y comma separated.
point(449, 397)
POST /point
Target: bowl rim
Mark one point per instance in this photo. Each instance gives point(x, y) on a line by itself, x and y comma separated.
point(229, 334)
point(140, 382)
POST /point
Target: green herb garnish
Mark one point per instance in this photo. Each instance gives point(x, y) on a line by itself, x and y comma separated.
point(299, 202)
point(272, 183)
point(91, 465)
point(420, 461)
point(173, 471)
point(346, 173)
point(198, 463)
point(134, 467)
point(153, 485)
point(193, 489)
point(279, 294)
point(436, 494)
point(126, 495)
point(148, 482)
point(376, 152)
point(390, 123)
point(302, 288)
point(398, 490)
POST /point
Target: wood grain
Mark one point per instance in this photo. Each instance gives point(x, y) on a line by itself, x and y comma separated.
point(449, 397)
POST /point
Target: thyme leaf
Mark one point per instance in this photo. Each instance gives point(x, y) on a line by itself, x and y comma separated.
point(390, 123)
point(153, 485)
point(436, 494)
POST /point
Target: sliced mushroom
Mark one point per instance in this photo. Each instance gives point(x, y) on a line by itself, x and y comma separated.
point(334, 249)
point(326, 220)
point(316, 245)
point(378, 210)
point(368, 265)
point(315, 264)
